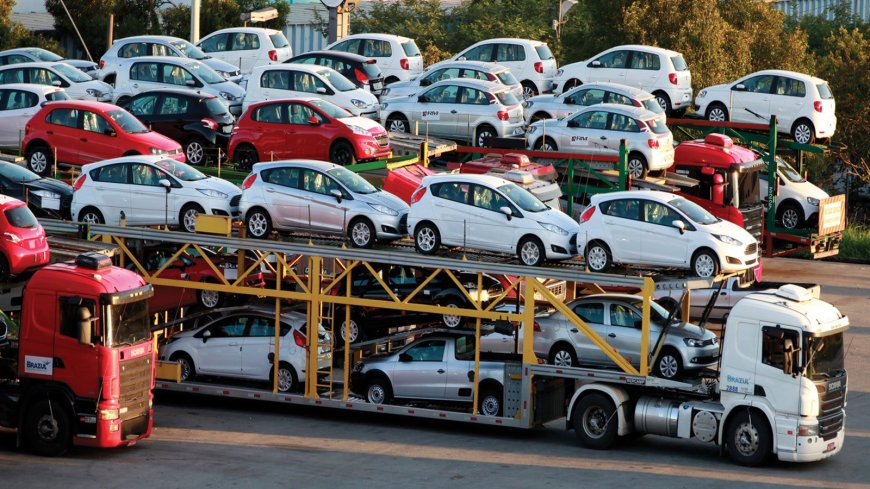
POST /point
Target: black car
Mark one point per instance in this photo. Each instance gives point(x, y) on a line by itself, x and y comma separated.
point(46, 197)
point(362, 71)
point(402, 281)
point(200, 122)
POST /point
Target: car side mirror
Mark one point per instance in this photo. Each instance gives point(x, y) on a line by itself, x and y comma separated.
point(739, 87)
point(57, 83)
point(336, 193)
point(573, 123)
point(190, 83)
point(206, 335)
point(569, 101)
point(506, 211)
point(461, 58)
point(165, 184)
point(313, 121)
point(321, 90)
point(679, 225)
point(595, 64)
point(422, 99)
point(110, 132)
point(405, 357)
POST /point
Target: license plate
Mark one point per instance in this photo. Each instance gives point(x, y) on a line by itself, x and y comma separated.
point(51, 203)
point(231, 273)
point(228, 129)
point(377, 85)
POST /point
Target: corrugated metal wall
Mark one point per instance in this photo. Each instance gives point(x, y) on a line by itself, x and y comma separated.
point(304, 38)
point(861, 8)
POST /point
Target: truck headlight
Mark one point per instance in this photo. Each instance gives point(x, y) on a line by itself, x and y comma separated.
point(808, 429)
point(813, 201)
point(728, 239)
point(384, 209)
point(212, 193)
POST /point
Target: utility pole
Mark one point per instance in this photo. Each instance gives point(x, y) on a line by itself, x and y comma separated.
point(111, 32)
point(194, 21)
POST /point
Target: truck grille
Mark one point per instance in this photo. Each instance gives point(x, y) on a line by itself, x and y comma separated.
point(135, 387)
point(753, 220)
point(833, 401)
point(382, 140)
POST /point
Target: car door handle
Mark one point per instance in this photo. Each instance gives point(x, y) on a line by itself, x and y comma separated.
point(612, 335)
point(135, 85)
point(575, 330)
point(270, 190)
point(84, 140)
point(49, 132)
point(234, 344)
point(453, 111)
point(723, 293)
point(441, 370)
point(603, 137)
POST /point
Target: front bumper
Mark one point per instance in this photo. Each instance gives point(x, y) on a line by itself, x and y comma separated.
point(388, 227)
point(559, 247)
point(367, 148)
point(813, 448)
point(702, 357)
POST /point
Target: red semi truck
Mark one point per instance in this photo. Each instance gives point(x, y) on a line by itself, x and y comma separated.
point(82, 369)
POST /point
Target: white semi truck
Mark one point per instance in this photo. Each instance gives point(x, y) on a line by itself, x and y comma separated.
point(781, 388)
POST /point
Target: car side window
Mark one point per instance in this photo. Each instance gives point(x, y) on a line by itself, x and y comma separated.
point(305, 82)
point(759, 84)
point(94, 122)
point(487, 198)
point(463, 348)
point(510, 52)
point(377, 48)
point(453, 191)
point(285, 177)
point(243, 41)
point(264, 328)
point(271, 113)
point(480, 53)
point(17, 99)
point(111, 173)
point(445, 94)
point(470, 96)
point(41, 76)
point(645, 61)
point(161, 50)
point(312, 60)
point(656, 213)
point(278, 79)
point(12, 75)
point(592, 120)
point(349, 46)
point(790, 87)
point(144, 105)
point(618, 98)
point(132, 50)
point(314, 181)
point(146, 72)
point(231, 327)
point(63, 117)
point(624, 208)
point(593, 96)
point(176, 75)
point(147, 175)
point(623, 123)
point(590, 312)
point(174, 104)
point(300, 113)
point(475, 74)
point(214, 44)
point(427, 351)
point(443, 74)
point(614, 59)
point(624, 316)
point(17, 58)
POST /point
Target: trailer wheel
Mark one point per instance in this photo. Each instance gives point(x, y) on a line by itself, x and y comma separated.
point(595, 422)
point(47, 428)
point(491, 401)
point(379, 390)
point(748, 438)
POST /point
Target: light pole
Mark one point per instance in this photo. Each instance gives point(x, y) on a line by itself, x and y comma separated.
point(564, 7)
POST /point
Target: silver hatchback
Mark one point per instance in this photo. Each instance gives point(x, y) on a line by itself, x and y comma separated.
point(319, 197)
point(568, 103)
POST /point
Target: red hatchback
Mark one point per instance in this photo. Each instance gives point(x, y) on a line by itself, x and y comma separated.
point(23, 247)
point(308, 128)
point(80, 132)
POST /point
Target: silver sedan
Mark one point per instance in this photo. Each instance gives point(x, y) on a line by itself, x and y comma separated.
point(616, 318)
point(568, 103)
point(445, 70)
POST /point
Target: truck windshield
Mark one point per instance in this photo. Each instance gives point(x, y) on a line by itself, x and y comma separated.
point(825, 356)
point(747, 187)
point(128, 323)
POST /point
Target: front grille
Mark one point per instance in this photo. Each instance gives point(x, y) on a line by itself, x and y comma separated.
point(752, 249)
point(382, 140)
point(831, 412)
point(234, 202)
point(135, 387)
point(403, 224)
point(753, 220)
point(573, 241)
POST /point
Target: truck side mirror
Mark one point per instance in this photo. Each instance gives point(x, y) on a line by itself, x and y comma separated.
point(85, 321)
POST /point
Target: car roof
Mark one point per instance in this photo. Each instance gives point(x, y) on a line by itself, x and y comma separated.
point(637, 112)
point(35, 64)
point(533, 42)
point(793, 74)
point(147, 37)
point(176, 91)
point(160, 59)
point(126, 159)
point(633, 92)
point(484, 85)
point(33, 87)
point(332, 54)
point(83, 104)
point(488, 180)
point(644, 47)
point(6, 201)
point(481, 65)
point(655, 195)
point(323, 166)
point(252, 30)
point(375, 35)
point(286, 99)
point(308, 68)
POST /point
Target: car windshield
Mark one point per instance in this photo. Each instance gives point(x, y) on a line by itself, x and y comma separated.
point(128, 323)
point(278, 40)
point(507, 77)
point(507, 98)
point(825, 356)
point(43, 55)
point(127, 121)
point(523, 198)
point(790, 173)
point(352, 181)
point(337, 80)
point(189, 49)
point(18, 173)
point(657, 125)
point(410, 48)
point(679, 63)
point(21, 217)
point(330, 109)
point(72, 74)
point(825, 91)
point(657, 313)
point(215, 106)
point(181, 171)
point(693, 211)
point(205, 73)
point(544, 52)
point(652, 105)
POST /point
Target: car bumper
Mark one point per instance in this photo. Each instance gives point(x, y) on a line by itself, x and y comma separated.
point(222, 207)
point(369, 149)
point(390, 227)
point(560, 247)
point(660, 160)
point(511, 129)
point(825, 128)
point(736, 259)
point(22, 259)
point(701, 357)
point(813, 448)
point(681, 98)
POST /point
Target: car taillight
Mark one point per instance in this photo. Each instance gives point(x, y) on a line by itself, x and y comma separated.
point(80, 181)
point(404, 64)
point(418, 194)
point(299, 338)
point(102, 64)
point(273, 55)
point(537, 327)
point(653, 143)
point(503, 115)
point(818, 105)
point(539, 66)
point(587, 214)
point(491, 77)
point(360, 76)
point(672, 77)
point(636, 103)
point(249, 181)
point(210, 123)
point(14, 238)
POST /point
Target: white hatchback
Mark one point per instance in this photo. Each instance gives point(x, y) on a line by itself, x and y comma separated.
point(31, 54)
point(150, 191)
point(488, 213)
point(798, 201)
point(650, 228)
point(662, 72)
point(291, 80)
point(76, 84)
point(803, 104)
point(531, 62)
point(247, 47)
point(398, 57)
point(18, 103)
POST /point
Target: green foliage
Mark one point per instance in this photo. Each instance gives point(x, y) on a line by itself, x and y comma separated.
point(855, 244)
point(91, 17)
point(220, 14)
point(137, 17)
point(422, 20)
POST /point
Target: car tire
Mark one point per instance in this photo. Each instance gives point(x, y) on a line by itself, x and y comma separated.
point(90, 215)
point(258, 223)
point(570, 84)
point(669, 364)
point(209, 299)
point(187, 217)
point(427, 239)
point(529, 90)
point(362, 233)
point(637, 166)
point(531, 252)
point(563, 355)
point(598, 257)
point(245, 156)
point(483, 133)
point(398, 123)
point(540, 116)
point(664, 102)
point(355, 332)
point(342, 154)
point(546, 144)
point(748, 438)
point(705, 264)
point(790, 216)
point(379, 391)
point(195, 151)
point(288, 381)
point(185, 364)
point(40, 159)
point(491, 401)
point(452, 321)
point(595, 422)
point(803, 132)
point(47, 428)
point(717, 112)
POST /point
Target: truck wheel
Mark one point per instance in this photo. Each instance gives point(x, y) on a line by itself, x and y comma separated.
point(669, 365)
point(491, 401)
point(47, 428)
point(563, 355)
point(379, 391)
point(188, 369)
point(748, 438)
point(595, 422)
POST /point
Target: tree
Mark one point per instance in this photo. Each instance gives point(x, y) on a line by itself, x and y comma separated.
point(137, 17)
point(220, 14)
point(14, 35)
point(91, 17)
point(422, 20)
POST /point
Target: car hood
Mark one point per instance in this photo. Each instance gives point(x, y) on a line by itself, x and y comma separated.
point(220, 65)
point(219, 184)
point(81, 63)
point(729, 229)
point(387, 199)
point(157, 140)
point(96, 85)
point(689, 330)
point(542, 99)
point(362, 95)
point(55, 186)
point(231, 88)
point(808, 189)
point(718, 88)
point(367, 124)
point(557, 217)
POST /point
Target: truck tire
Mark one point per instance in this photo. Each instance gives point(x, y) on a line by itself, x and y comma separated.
point(595, 422)
point(379, 391)
point(491, 402)
point(748, 438)
point(47, 428)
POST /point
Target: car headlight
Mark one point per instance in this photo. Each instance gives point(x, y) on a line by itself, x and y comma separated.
point(560, 72)
point(359, 103)
point(93, 92)
point(728, 239)
point(228, 96)
point(693, 342)
point(358, 130)
point(554, 228)
point(157, 151)
point(385, 91)
point(212, 193)
point(46, 194)
point(226, 74)
point(528, 103)
point(384, 209)
point(358, 367)
point(531, 129)
point(702, 94)
point(384, 106)
point(813, 201)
